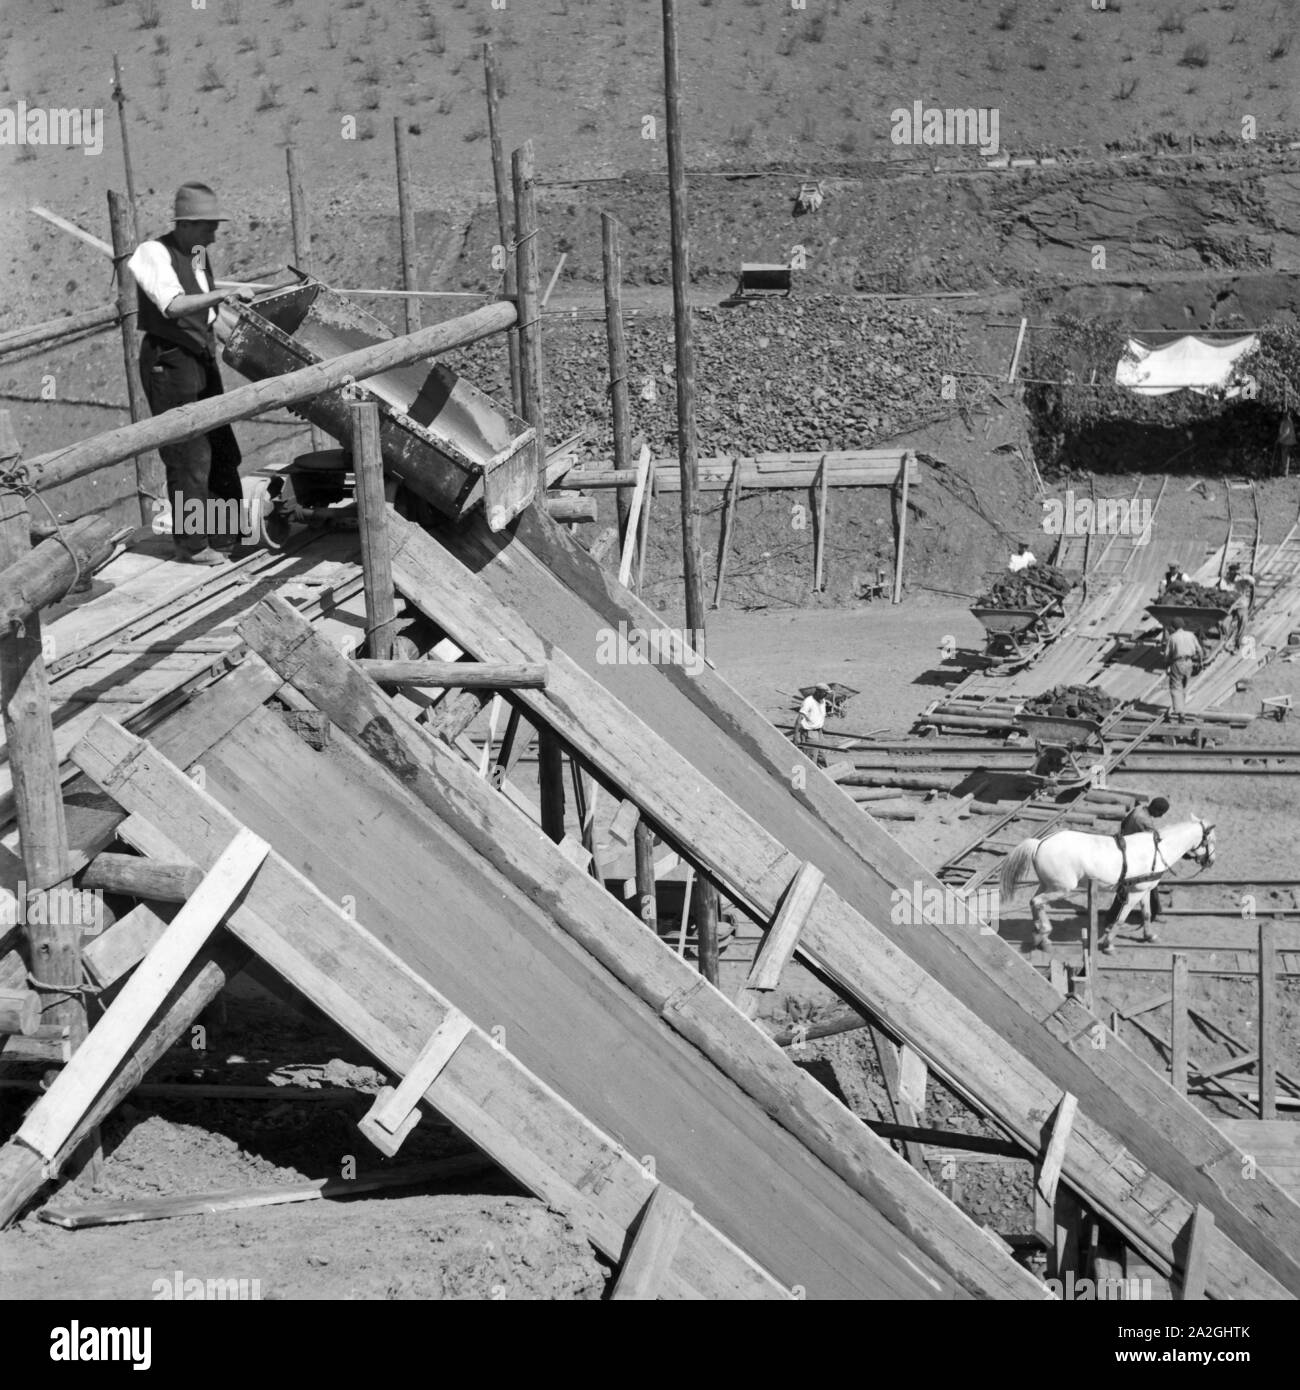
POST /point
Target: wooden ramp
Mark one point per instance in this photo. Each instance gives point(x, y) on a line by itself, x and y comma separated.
point(726, 786)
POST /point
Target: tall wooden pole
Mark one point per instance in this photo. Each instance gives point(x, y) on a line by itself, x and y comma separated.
point(119, 96)
point(501, 183)
point(617, 347)
point(1268, 1018)
point(300, 220)
point(372, 523)
point(54, 946)
point(149, 480)
point(406, 219)
point(550, 754)
point(706, 900)
point(644, 852)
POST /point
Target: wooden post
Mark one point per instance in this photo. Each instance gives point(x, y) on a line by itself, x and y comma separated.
point(902, 527)
point(300, 220)
point(643, 846)
point(1268, 1029)
point(643, 530)
point(406, 219)
point(1178, 1026)
point(819, 563)
point(149, 483)
point(1090, 946)
point(728, 521)
point(502, 188)
point(372, 522)
point(54, 946)
point(550, 778)
point(616, 345)
point(706, 902)
point(119, 96)
point(529, 321)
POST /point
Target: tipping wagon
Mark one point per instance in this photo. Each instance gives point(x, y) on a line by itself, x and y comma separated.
point(446, 441)
point(1205, 623)
point(1014, 636)
point(1060, 742)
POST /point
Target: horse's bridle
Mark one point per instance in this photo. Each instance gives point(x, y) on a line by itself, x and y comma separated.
point(1202, 861)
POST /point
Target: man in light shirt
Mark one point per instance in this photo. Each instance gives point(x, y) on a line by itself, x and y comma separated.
point(812, 720)
point(177, 301)
point(1183, 653)
point(1022, 559)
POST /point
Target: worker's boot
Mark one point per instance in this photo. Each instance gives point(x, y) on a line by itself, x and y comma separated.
point(206, 556)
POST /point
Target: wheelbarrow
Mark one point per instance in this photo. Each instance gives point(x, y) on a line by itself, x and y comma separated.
point(446, 441)
point(840, 696)
point(1202, 622)
point(1014, 636)
point(1059, 744)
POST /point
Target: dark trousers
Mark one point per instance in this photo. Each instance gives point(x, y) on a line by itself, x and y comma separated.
point(199, 469)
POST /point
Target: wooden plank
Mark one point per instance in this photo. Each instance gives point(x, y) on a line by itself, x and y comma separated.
point(728, 522)
point(1178, 1025)
point(1268, 1019)
point(396, 1112)
point(626, 819)
point(748, 858)
point(484, 1090)
point(779, 942)
point(904, 475)
point(1054, 1155)
point(137, 877)
point(654, 1247)
point(84, 1216)
point(616, 938)
point(56, 1115)
point(124, 945)
point(1198, 1244)
point(912, 1078)
point(819, 561)
point(634, 516)
point(464, 675)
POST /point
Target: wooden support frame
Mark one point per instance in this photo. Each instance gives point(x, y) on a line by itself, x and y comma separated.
point(462, 675)
point(904, 475)
point(47, 1128)
point(1199, 1230)
point(634, 516)
point(1268, 1019)
point(728, 523)
point(819, 557)
point(1049, 1174)
point(372, 522)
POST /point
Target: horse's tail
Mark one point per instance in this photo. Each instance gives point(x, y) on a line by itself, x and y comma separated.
point(1015, 866)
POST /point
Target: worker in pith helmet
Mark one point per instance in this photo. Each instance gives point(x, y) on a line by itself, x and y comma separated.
point(811, 721)
point(178, 300)
point(1142, 820)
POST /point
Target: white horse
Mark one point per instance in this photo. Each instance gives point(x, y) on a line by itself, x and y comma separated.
point(1064, 859)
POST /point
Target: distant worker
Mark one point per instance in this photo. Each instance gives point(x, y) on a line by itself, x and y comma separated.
point(1173, 575)
point(1234, 625)
point(812, 719)
point(177, 300)
point(1183, 654)
point(1022, 559)
point(1140, 820)
point(1285, 444)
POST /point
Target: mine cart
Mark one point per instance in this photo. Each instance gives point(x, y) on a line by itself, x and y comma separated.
point(1014, 636)
point(443, 438)
point(1060, 742)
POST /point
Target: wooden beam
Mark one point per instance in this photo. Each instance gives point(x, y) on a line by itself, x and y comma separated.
point(396, 1110)
point(626, 819)
point(904, 475)
point(55, 1117)
point(141, 878)
point(1200, 1228)
point(634, 516)
point(124, 945)
point(888, 1055)
point(782, 936)
point(728, 521)
point(372, 523)
point(1054, 1155)
point(616, 352)
point(300, 223)
point(1268, 1019)
point(406, 225)
point(572, 509)
point(653, 1249)
point(45, 573)
point(52, 329)
point(148, 468)
point(643, 845)
point(531, 372)
point(189, 421)
point(501, 187)
point(465, 675)
point(819, 561)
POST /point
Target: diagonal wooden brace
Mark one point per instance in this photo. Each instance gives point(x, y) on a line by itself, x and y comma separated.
point(782, 937)
point(650, 1256)
point(396, 1112)
point(60, 1109)
point(1049, 1172)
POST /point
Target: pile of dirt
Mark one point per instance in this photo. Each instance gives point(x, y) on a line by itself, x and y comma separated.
point(1072, 702)
point(1031, 588)
point(1183, 593)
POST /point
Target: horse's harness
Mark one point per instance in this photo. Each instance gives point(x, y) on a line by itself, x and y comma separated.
point(1122, 887)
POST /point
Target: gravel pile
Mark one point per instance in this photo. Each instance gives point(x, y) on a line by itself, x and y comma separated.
point(1030, 588)
point(1072, 702)
point(1185, 594)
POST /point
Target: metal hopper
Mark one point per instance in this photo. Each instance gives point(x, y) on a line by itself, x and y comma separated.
point(446, 440)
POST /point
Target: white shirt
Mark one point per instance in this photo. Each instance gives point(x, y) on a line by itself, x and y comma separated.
point(812, 713)
point(1021, 562)
point(152, 267)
